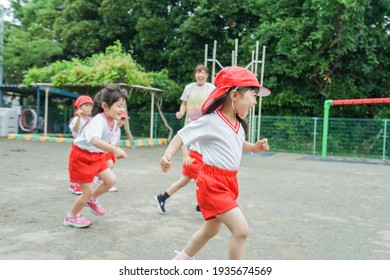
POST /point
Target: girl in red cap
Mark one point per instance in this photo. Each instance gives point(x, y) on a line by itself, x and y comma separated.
point(82, 113)
point(220, 135)
point(87, 158)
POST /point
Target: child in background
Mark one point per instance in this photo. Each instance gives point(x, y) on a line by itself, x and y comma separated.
point(111, 160)
point(220, 134)
point(88, 159)
point(193, 96)
point(82, 113)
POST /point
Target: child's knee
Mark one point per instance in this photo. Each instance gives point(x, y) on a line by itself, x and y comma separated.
point(241, 232)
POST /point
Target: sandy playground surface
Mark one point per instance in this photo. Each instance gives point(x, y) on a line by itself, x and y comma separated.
point(296, 208)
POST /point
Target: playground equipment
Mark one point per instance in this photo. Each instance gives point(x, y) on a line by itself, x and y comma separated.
point(329, 103)
point(253, 67)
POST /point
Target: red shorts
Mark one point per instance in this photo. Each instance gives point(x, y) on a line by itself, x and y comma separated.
point(193, 169)
point(217, 191)
point(110, 156)
point(84, 165)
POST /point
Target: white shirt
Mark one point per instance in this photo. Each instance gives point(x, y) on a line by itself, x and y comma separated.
point(117, 136)
point(195, 95)
point(219, 141)
point(73, 123)
point(99, 127)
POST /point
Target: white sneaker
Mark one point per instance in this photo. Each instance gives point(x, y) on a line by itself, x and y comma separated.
point(113, 189)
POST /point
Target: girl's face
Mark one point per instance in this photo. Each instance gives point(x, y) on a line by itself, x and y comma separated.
point(201, 77)
point(116, 110)
point(244, 102)
point(86, 108)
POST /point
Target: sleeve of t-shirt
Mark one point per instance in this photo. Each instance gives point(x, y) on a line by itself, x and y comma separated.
point(71, 126)
point(186, 92)
point(195, 131)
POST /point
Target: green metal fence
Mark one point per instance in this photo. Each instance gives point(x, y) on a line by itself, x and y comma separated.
point(346, 137)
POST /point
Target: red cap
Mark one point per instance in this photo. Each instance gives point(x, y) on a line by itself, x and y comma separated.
point(233, 76)
point(125, 116)
point(82, 99)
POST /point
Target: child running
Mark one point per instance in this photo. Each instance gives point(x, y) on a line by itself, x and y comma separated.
point(220, 135)
point(87, 158)
point(111, 160)
point(82, 113)
point(193, 96)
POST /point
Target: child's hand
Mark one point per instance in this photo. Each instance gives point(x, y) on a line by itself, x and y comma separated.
point(166, 162)
point(119, 153)
point(187, 160)
point(261, 145)
point(79, 112)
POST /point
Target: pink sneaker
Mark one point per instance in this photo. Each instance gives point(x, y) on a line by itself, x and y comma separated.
point(75, 188)
point(77, 221)
point(95, 207)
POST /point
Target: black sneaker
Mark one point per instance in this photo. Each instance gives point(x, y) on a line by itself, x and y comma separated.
point(160, 203)
point(197, 208)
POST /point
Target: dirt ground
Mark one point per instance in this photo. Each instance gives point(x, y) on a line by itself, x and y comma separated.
point(297, 208)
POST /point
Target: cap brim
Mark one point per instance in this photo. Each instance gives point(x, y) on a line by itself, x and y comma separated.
point(264, 92)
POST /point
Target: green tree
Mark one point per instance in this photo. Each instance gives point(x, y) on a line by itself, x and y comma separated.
point(324, 50)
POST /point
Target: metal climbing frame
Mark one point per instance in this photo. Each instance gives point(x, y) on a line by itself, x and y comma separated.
point(252, 66)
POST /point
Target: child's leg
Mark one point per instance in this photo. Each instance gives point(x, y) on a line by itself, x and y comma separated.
point(82, 200)
point(200, 238)
point(183, 181)
point(234, 219)
point(110, 164)
point(109, 179)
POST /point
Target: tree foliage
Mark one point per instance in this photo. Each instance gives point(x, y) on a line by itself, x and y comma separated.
point(315, 49)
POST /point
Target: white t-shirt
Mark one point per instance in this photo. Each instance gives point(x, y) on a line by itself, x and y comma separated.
point(117, 136)
point(73, 123)
point(219, 141)
point(195, 96)
point(98, 126)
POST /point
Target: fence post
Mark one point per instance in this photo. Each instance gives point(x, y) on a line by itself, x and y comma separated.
point(327, 105)
point(314, 135)
point(384, 138)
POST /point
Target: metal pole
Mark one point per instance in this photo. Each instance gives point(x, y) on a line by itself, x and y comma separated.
point(38, 108)
point(261, 82)
point(151, 115)
point(205, 54)
point(214, 58)
point(384, 138)
point(315, 135)
point(327, 105)
point(235, 52)
point(46, 110)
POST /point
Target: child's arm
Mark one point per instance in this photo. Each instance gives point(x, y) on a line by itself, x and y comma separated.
point(187, 160)
point(173, 147)
point(103, 145)
point(259, 146)
point(76, 127)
